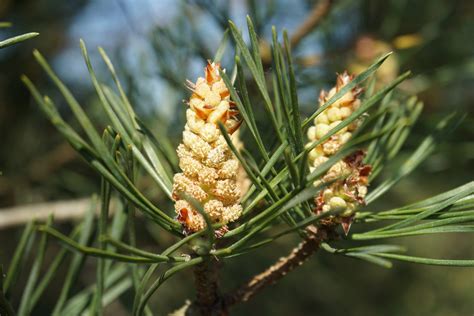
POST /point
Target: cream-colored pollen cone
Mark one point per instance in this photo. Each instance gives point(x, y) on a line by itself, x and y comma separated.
point(349, 192)
point(209, 169)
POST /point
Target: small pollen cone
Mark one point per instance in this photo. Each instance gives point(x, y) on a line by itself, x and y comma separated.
point(346, 194)
point(209, 169)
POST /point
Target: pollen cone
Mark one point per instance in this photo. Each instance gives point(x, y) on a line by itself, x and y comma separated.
point(209, 169)
point(345, 194)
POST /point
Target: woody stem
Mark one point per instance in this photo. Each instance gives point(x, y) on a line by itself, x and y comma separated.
point(277, 271)
point(208, 300)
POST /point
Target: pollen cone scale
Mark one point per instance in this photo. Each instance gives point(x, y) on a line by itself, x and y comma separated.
point(348, 192)
point(209, 169)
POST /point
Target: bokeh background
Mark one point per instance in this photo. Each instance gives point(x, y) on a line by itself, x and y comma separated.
point(156, 45)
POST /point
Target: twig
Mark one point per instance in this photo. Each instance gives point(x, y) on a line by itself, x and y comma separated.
point(65, 210)
point(319, 11)
point(208, 299)
point(210, 302)
point(284, 266)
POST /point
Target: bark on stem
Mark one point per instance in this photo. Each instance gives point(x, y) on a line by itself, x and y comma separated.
point(274, 273)
point(208, 300)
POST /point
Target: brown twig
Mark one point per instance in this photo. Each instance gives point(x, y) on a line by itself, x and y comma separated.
point(210, 302)
point(319, 11)
point(208, 299)
point(284, 266)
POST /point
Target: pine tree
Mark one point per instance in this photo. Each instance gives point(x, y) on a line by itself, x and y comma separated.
point(318, 172)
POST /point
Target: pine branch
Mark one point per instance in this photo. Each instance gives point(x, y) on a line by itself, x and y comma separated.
point(319, 11)
point(206, 279)
point(309, 246)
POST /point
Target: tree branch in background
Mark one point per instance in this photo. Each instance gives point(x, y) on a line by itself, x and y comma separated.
point(65, 210)
point(320, 10)
point(309, 246)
